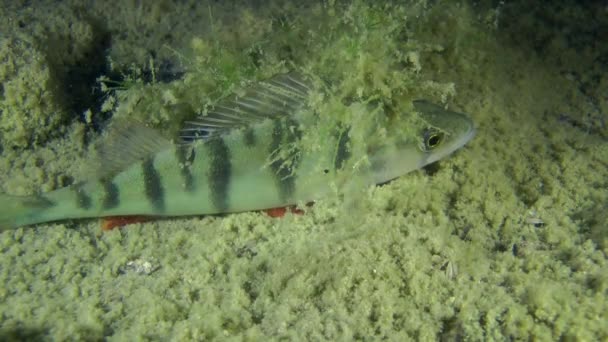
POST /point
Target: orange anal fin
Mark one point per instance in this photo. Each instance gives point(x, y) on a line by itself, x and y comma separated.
point(276, 212)
point(281, 211)
point(111, 222)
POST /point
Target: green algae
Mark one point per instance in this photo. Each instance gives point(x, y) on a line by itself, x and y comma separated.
point(29, 95)
point(46, 71)
point(506, 240)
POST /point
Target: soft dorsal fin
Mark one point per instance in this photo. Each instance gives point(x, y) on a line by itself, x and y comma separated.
point(278, 96)
point(127, 142)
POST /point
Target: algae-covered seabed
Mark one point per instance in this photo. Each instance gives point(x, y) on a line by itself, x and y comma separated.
point(507, 239)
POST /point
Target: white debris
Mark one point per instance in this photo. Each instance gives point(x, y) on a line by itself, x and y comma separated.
point(534, 220)
point(141, 266)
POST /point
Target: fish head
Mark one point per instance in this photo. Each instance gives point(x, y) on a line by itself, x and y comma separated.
point(432, 134)
point(446, 131)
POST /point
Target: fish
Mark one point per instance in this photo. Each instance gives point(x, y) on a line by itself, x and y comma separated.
point(278, 143)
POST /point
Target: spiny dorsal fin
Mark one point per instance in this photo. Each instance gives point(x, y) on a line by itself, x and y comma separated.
point(278, 96)
point(126, 142)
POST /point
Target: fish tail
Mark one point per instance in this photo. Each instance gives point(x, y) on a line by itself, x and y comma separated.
point(16, 211)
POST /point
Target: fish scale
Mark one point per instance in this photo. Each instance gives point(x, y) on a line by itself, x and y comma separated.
point(264, 149)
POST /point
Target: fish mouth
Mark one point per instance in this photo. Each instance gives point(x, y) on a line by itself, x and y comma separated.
point(465, 138)
point(461, 141)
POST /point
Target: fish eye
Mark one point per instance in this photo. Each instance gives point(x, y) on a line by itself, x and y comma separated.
point(432, 139)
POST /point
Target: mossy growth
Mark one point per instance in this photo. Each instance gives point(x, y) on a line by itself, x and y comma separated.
point(47, 71)
point(31, 103)
point(347, 58)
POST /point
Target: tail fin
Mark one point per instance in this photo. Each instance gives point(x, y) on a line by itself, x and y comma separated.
point(16, 211)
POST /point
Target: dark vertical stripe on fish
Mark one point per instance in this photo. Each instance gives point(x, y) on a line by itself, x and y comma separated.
point(249, 137)
point(83, 200)
point(185, 156)
point(342, 150)
point(111, 197)
point(220, 172)
point(285, 137)
point(155, 193)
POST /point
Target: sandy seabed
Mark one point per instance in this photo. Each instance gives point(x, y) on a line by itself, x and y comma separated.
point(507, 239)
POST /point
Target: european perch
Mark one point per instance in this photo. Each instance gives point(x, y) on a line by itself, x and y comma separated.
point(267, 148)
